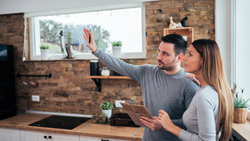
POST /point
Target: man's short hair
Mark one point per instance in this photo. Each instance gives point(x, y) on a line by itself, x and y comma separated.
point(180, 44)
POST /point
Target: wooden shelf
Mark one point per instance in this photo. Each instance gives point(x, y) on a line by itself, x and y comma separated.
point(184, 31)
point(108, 77)
point(97, 80)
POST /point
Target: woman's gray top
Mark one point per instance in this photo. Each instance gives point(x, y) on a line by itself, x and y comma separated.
point(201, 116)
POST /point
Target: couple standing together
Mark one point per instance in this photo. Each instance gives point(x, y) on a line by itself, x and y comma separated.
point(181, 109)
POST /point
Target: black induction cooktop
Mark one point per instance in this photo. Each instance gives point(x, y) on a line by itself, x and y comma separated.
point(62, 122)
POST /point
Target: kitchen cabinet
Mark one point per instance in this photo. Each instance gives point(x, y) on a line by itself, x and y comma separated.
point(87, 138)
point(27, 135)
point(8, 134)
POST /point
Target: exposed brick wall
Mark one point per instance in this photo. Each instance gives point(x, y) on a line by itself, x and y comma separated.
point(68, 90)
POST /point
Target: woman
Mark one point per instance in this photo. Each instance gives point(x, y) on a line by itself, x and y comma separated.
point(210, 114)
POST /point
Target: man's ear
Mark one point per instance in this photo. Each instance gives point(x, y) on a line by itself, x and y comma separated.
point(179, 57)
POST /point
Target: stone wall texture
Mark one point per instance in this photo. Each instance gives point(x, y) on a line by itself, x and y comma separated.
point(68, 91)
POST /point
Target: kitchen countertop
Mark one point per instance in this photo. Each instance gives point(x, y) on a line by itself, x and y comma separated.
point(243, 130)
point(86, 129)
point(96, 130)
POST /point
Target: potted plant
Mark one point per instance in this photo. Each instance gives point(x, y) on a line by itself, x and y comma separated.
point(44, 52)
point(240, 106)
point(131, 62)
point(116, 48)
point(106, 108)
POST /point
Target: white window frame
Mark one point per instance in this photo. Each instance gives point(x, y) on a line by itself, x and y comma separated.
point(35, 40)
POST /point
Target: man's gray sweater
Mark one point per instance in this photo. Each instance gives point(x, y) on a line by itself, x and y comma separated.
point(172, 93)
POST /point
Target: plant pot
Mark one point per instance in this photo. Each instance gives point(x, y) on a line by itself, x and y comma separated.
point(240, 115)
point(108, 113)
point(116, 51)
point(44, 54)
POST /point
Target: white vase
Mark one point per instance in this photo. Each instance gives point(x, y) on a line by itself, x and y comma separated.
point(107, 113)
point(44, 54)
point(105, 71)
point(116, 51)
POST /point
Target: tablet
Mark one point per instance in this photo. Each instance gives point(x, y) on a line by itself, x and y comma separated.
point(136, 111)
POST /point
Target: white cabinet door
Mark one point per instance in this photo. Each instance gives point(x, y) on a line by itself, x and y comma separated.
point(63, 137)
point(7, 134)
point(27, 135)
point(87, 138)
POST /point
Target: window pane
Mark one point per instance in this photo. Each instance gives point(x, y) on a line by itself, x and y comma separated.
point(242, 47)
point(107, 26)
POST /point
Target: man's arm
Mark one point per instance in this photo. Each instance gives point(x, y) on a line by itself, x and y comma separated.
point(119, 66)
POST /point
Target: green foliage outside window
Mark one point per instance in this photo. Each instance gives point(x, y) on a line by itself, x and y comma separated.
point(73, 34)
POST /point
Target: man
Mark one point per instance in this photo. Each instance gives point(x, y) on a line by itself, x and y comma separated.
point(165, 86)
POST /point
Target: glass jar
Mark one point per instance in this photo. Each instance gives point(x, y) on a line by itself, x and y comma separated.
point(105, 71)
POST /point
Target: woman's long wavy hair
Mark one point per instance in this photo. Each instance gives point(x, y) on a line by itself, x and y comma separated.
point(214, 74)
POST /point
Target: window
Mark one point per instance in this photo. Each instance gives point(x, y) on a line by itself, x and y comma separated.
point(125, 24)
point(241, 48)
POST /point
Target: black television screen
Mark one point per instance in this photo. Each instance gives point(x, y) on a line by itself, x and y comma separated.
point(3, 53)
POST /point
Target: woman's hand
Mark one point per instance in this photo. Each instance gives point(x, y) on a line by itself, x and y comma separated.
point(166, 123)
point(92, 46)
point(190, 75)
point(165, 120)
point(153, 124)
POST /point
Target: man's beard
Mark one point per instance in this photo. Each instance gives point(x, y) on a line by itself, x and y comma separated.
point(170, 66)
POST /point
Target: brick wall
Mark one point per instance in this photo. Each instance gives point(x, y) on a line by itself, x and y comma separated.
point(68, 90)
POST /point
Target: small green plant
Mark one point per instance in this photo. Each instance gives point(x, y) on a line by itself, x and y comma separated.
point(44, 47)
point(116, 43)
point(131, 61)
point(238, 101)
point(105, 105)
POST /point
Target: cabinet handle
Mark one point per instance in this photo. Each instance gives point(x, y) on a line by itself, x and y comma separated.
point(50, 137)
point(45, 137)
point(104, 140)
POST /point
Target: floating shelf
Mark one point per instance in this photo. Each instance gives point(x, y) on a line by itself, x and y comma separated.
point(97, 80)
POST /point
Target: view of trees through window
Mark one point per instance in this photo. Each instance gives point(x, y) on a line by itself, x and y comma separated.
point(107, 26)
point(73, 35)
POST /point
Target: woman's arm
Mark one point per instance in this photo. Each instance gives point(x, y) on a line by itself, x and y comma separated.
point(205, 103)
